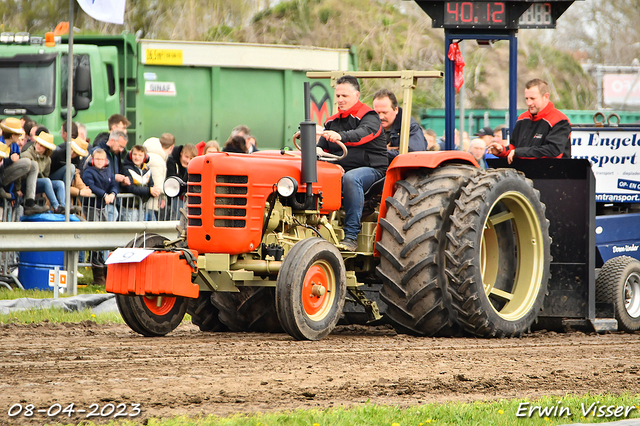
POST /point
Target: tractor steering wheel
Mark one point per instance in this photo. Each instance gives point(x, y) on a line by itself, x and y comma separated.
point(325, 156)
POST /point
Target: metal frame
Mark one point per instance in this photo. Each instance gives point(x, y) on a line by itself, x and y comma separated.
point(409, 79)
point(449, 90)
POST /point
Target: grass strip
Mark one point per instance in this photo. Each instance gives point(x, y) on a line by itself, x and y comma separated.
point(58, 315)
point(577, 409)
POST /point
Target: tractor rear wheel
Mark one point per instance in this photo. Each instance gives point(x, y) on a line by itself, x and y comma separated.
point(151, 316)
point(311, 289)
point(204, 314)
point(497, 254)
point(619, 283)
point(412, 246)
point(252, 310)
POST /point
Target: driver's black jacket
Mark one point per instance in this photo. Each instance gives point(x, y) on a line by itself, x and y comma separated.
point(361, 131)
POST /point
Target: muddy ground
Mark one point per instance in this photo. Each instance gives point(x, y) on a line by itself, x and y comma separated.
point(190, 372)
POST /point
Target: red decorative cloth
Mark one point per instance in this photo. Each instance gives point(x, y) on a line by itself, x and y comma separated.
point(456, 56)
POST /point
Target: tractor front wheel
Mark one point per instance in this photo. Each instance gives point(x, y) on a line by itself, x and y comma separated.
point(619, 283)
point(149, 315)
point(152, 316)
point(311, 289)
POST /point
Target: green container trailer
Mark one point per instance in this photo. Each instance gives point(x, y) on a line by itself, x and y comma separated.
point(195, 90)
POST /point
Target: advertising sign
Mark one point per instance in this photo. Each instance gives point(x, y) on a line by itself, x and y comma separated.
point(618, 89)
point(615, 158)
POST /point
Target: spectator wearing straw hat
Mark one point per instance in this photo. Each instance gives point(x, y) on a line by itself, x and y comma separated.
point(40, 152)
point(16, 167)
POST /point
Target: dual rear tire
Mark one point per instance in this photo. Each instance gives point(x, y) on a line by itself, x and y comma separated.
point(464, 251)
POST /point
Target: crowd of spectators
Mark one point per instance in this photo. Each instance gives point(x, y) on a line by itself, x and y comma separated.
point(107, 182)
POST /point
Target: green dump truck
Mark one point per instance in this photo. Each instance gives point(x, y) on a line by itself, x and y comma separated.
point(197, 91)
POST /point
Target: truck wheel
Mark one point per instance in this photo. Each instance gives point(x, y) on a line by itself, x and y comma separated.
point(204, 314)
point(497, 254)
point(412, 247)
point(619, 283)
point(251, 310)
point(151, 315)
point(311, 289)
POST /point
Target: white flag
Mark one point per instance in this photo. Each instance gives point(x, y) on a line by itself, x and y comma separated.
point(104, 10)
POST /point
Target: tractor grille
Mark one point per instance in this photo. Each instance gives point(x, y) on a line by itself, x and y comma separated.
point(194, 201)
point(227, 201)
point(232, 179)
point(227, 213)
point(229, 223)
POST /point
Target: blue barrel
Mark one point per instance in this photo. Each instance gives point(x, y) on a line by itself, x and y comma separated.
point(34, 266)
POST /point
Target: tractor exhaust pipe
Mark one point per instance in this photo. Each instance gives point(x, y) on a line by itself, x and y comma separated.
point(309, 172)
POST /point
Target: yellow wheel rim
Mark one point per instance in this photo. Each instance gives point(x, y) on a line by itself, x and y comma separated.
point(516, 301)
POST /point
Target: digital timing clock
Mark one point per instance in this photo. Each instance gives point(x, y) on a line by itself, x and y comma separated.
point(495, 14)
point(476, 14)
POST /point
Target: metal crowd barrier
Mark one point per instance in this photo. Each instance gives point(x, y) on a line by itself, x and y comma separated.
point(130, 208)
point(126, 208)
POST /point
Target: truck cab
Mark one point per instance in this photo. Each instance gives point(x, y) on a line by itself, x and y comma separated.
point(35, 79)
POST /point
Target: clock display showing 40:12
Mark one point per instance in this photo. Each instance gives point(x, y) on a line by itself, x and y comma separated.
point(476, 13)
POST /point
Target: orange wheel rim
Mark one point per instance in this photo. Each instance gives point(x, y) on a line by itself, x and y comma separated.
point(159, 305)
point(318, 290)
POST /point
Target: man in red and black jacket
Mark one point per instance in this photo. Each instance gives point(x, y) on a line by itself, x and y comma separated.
point(540, 132)
point(359, 128)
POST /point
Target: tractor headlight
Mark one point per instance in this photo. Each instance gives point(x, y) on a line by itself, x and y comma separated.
point(287, 186)
point(173, 186)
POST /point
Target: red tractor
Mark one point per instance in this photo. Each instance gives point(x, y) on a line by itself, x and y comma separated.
point(453, 249)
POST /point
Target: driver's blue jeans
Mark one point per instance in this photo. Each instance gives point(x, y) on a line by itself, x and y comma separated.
point(354, 184)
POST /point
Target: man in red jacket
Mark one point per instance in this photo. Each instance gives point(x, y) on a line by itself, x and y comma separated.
point(540, 132)
point(359, 128)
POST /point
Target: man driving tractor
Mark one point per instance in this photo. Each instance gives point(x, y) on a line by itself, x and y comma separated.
point(359, 128)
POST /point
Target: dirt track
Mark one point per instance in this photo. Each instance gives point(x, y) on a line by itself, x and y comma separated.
point(190, 372)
